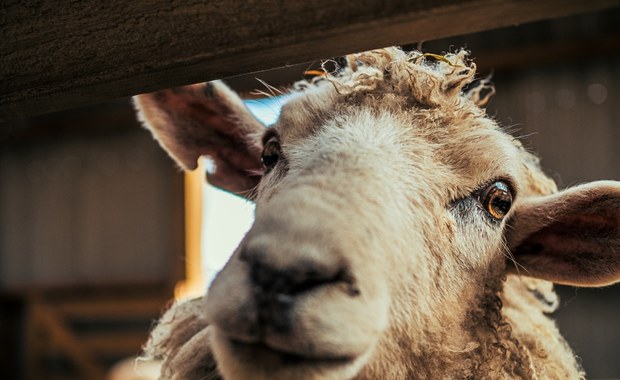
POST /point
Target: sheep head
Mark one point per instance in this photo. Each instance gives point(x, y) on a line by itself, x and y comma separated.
point(389, 208)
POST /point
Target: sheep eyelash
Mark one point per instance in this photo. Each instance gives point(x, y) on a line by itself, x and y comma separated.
point(462, 207)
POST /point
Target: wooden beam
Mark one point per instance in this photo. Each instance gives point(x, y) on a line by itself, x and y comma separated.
point(58, 54)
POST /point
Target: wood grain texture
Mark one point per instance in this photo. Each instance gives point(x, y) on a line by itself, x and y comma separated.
point(61, 54)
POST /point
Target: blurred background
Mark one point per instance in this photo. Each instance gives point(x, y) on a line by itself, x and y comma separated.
point(99, 230)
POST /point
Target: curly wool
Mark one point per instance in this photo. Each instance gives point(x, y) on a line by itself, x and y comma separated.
point(435, 81)
point(180, 342)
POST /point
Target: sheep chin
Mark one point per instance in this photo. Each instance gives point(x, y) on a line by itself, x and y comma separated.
point(240, 360)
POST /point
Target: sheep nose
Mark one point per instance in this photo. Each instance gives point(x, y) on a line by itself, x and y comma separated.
point(275, 290)
point(284, 284)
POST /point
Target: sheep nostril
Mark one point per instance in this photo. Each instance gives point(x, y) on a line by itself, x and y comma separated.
point(283, 285)
point(284, 299)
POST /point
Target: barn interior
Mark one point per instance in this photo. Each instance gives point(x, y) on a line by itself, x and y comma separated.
point(98, 227)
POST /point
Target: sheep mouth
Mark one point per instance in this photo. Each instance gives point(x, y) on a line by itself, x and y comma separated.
point(262, 352)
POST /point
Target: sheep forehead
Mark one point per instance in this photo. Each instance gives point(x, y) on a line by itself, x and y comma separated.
point(428, 101)
point(386, 80)
point(466, 151)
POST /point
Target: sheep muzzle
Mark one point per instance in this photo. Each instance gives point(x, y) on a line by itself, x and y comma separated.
point(289, 294)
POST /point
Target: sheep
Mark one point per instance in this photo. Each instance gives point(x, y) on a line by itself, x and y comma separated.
point(400, 233)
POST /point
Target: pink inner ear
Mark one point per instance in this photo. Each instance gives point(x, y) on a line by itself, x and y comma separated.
point(579, 249)
point(207, 119)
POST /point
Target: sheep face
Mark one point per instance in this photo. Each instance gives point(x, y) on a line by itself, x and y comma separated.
point(355, 242)
point(381, 220)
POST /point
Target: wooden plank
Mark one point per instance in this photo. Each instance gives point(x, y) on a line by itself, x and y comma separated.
point(149, 308)
point(32, 344)
point(57, 55)
point(64, 338)
point(119, 344)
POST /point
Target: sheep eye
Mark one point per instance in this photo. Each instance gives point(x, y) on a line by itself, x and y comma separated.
point(271, 154)
point(496, 200)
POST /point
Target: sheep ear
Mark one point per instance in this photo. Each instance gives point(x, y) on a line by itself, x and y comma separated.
point(206, 119)
point(571, 238)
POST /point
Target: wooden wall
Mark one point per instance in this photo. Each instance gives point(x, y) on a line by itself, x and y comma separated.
point(91, 241)
point(97, 202)
point(569, 114)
